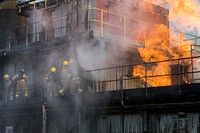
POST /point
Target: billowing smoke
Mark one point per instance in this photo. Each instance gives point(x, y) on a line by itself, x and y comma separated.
point(93, 55)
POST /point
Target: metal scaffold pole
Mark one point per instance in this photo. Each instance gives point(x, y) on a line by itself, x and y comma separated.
point(44, 118)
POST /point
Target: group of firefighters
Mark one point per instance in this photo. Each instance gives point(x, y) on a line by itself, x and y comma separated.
point(16, 87)
point(68, 82)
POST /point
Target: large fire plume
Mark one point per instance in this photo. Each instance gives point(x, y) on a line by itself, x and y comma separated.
point(159, 46)
point(184, 14)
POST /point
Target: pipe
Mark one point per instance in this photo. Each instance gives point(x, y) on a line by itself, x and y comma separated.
point(122, 103)
point(132, 106)
point(122, 91)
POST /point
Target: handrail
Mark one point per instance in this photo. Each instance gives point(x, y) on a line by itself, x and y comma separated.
point(102, 22)
point(98, 9)
point(133, 64)
point(180, 75)
point(98, 84)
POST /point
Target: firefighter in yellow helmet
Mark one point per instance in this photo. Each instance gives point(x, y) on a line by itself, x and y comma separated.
point(65, 78)
point(51, 79)
point(21, 84)
point(9, 84)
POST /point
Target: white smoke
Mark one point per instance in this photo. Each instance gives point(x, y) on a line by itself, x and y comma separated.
point(93, 55)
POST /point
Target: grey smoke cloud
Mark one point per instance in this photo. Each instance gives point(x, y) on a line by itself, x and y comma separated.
point(93, 55)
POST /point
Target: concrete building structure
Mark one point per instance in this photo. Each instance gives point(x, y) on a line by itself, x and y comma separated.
point(101, 36)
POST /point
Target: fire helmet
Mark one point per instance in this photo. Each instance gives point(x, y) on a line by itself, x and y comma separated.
point(22, 70)
point(65, 63)
point(53, 69)
point(6, 76)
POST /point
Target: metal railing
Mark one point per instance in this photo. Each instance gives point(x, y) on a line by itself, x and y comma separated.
point(12, 93)
point(181, 71)
point(184, 71)
point(104, 23)
point(18, 97)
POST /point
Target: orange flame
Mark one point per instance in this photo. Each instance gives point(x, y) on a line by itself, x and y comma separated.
point(158, 47)
point(153, 76)
point(185, 14)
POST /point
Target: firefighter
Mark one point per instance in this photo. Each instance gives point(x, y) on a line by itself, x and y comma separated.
point(21, 82)
point(65, 78)
point(9, 88)
point(51, 82)
point(75, 82)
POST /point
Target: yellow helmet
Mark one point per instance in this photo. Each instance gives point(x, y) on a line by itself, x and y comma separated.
point(53, 69)
point(65, 63)
point(22, 70)
point(6, 76)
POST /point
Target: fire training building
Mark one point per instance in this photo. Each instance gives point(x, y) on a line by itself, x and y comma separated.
point(101, 38)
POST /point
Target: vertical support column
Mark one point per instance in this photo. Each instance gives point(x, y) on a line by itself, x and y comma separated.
point(44, 117)
point(101, 34)
point(179, 76)
point(116, 78)
point(34, 4)
point(191, 56)
point(146, 79)
point(45, 2)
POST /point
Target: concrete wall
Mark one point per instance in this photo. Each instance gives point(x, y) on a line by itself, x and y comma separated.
point(132, 123)
point(21, 123)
